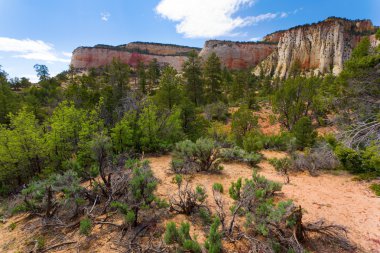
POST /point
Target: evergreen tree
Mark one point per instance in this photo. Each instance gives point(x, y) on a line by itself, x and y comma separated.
point(294, 99)
point(193, 75)
point(118, 77)
point(169, 93)
point(153, 75)
point(42, 72)
point(213, 78)
point(149, 127)
point(142, 77)
point(242, 122)
point(304, 132)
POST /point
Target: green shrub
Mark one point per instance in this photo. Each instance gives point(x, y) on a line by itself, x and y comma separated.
point(304, 132)
point(376, 189)
point(240, 155)
point(284, 141)
point(40, 241)
point(203, 155)
point(192, 246)
point(171, 233)
point(188, 200)
point(367, 176)
point(218, 187)
point(219, 133)
point(12, 226)
point(205, 216)
point(19, 209)
point(42, 196)
point(217, 111)
point(243, 121)
point(331, 140)
point(181, 237)
point(85, 226)
point(371, 158)
point(214, 239)
point(138, 193)
point(283, 166)
point(350, 159)
point(360, 161)
point(255, 141)
point(254, 190)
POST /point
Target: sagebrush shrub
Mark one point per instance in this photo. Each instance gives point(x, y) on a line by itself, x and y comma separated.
point(240, 155)
point(203, 155)
point(314, 159)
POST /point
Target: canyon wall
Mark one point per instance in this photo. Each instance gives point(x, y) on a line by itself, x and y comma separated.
point(318, 48)
point(238, 55)
point(132, 53)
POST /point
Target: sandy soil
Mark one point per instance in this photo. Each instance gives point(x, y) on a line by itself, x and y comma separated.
point(336, 198)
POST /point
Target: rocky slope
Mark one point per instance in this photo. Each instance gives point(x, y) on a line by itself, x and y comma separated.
point(132, 53)
point(238, 55)
point(318, 48)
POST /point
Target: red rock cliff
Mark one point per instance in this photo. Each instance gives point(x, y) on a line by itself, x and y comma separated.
point(238, 55)
point(132, 53)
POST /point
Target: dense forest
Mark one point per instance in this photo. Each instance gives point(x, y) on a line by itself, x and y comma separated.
point(73, 147)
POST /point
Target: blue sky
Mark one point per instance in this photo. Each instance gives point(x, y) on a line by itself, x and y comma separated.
point(47, 31)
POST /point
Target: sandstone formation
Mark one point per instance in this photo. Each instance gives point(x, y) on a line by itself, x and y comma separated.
point(238, 55)
point(317, 48)
point(132, 53)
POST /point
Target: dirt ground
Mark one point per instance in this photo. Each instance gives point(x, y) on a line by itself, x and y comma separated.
point(336, 198)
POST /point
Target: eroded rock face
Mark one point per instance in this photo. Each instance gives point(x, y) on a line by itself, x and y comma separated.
point(318, 48)
point(132, 53)
point(238, 55)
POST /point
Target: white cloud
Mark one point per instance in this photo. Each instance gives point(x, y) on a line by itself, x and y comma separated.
point(105, 16)
point(31, 49)
point(284, 15)
point(208, 18)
